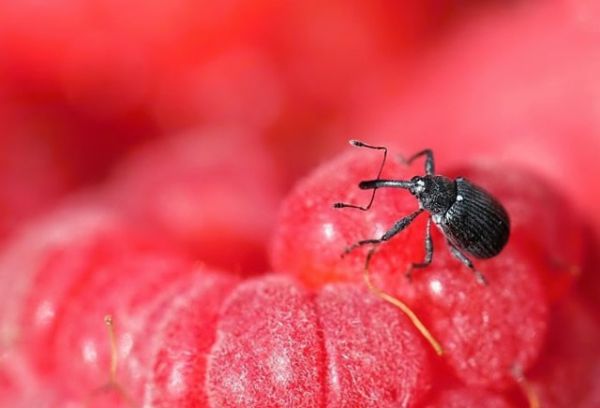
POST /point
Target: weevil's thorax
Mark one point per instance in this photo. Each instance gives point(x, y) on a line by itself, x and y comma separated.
point(436, 194)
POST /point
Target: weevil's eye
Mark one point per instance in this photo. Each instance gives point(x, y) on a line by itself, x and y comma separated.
point(418, 185)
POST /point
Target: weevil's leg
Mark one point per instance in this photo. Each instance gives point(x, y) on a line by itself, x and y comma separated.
point(358, 143)
point(468, 263)
point(429, 162)
point(428, 252)
point(396, 228)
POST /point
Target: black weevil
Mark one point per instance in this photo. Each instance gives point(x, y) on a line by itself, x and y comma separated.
point(471, 219)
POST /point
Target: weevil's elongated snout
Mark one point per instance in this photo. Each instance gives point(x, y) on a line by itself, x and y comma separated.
point(379, 183)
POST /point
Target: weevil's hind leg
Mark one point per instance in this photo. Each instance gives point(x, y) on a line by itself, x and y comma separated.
point(468, 263)
point(396, 229)
point(429, 162)
point(428, 252)
point(358, 143)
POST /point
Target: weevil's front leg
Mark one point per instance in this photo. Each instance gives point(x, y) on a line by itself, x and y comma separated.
point(429, 162)
point(398, 227)
point(428, 252)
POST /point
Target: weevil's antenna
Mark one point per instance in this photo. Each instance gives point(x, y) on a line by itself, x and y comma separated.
point(402, 306)
point(358, 143)
point(112, 383)
point(526, 387)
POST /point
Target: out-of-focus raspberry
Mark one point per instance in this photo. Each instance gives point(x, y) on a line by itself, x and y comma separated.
point(212, 191)
point(32, 176)
point(568, 371)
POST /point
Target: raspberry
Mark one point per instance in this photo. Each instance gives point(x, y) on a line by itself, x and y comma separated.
point(567, 373)
point(485, 330)
point(188, 335)
point(183, 342)
point(374, 358)
point(32, 176)
point(76, 266)
point(468, 398)
point(311, 235)
point(133, 289)
point(543, 222)
point(41, 246)
point(589, 285)
point(267, 352)
point(279, 345)
point(20, 387)
point(220, 211)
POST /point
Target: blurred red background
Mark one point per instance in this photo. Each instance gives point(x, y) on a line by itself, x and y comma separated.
point(84, 83)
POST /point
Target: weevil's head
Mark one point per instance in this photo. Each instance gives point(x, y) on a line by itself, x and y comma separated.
point(436, 194)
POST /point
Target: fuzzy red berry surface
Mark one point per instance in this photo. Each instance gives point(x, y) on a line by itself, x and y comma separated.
point(374, 357)
point(485, 330)
point(267, 351)
point(279, 344)
point(311, 235)
point(41, 246)
point(468, 398)
point(77, 266)
point(184, 340)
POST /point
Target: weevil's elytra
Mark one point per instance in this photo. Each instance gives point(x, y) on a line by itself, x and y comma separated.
point(478, 223)
point(472, 220)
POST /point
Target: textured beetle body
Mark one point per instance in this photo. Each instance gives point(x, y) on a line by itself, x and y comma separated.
point(476, 223)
